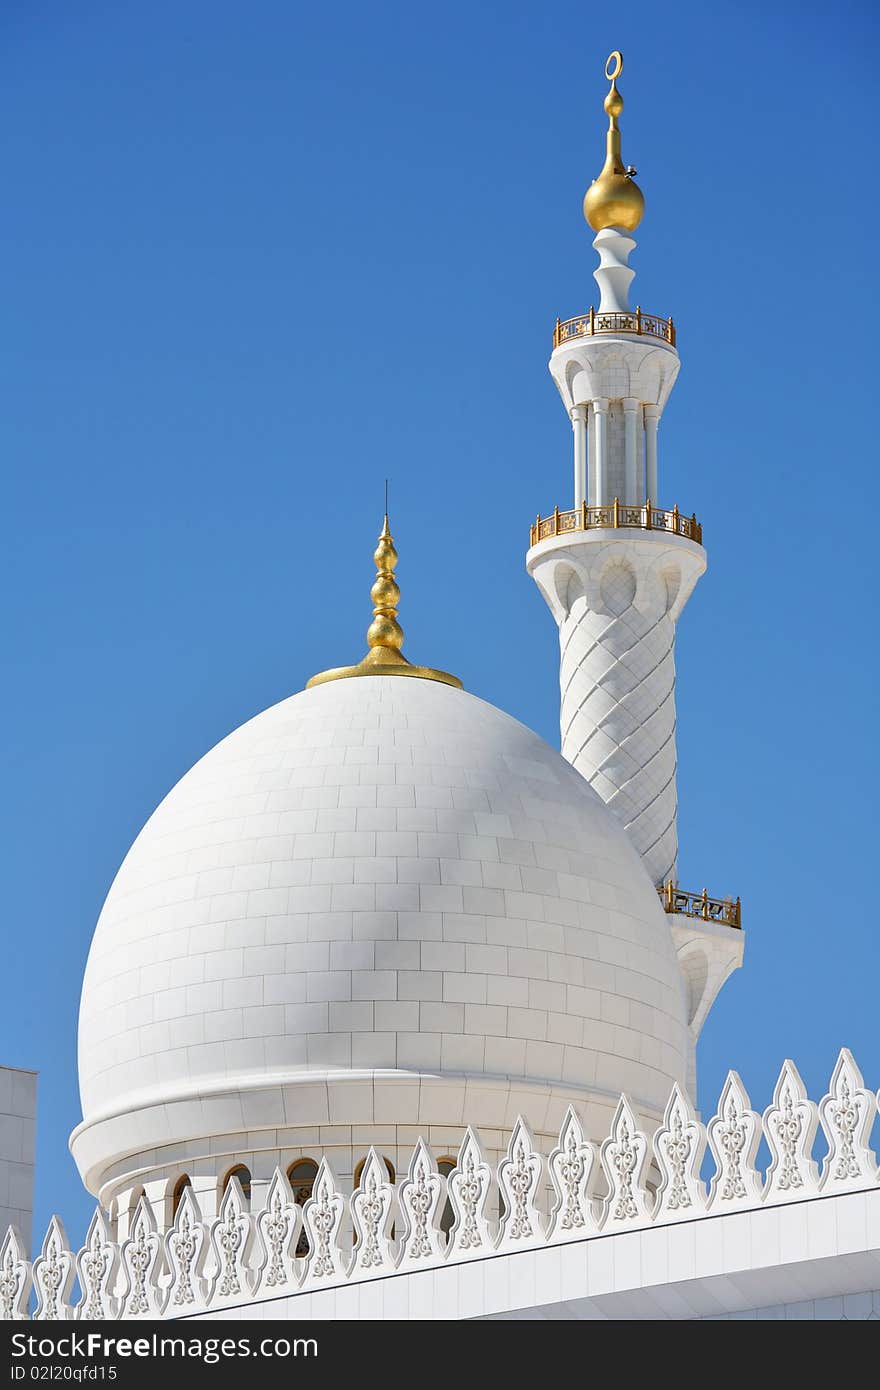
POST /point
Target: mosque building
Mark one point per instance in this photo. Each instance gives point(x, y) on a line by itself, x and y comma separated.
point(392, 1010)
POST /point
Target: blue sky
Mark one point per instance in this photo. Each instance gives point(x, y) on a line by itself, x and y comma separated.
point(255, 258)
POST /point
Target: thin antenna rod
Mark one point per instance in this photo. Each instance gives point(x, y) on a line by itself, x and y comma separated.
point(386, 496)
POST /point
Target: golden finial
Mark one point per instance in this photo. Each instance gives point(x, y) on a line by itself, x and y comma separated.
point(384, 635)
point(613, 199)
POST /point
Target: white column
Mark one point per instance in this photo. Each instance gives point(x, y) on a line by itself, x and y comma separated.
point(631, 439)
point(579, 428)
point(613, 275)
point(652, 420)
point(600, 414)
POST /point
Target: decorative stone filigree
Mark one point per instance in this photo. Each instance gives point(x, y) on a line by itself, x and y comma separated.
point(371, 1214)
point(53, 1276)
point(734, 1136)
point(679, 1145)
point(420, 1196)
point(96, 1265)
point(847, 1114)
point(231, 1240)
point(790, 1127)
point(278, 1228)
point(624, 1155)
point(15, 1278)
point(322, 1217)
point(519, 1178)
point(141, 1259)
point(571, 1169)
point(186, 1250)
point(469, 1185)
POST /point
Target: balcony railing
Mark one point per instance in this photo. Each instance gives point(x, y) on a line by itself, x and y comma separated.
point(645, 517)
point(724, 910)
point(586, 325)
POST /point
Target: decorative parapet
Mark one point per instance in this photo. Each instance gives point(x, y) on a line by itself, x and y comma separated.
point(614, 516)
point(727, 911)
point(247, 1256)
point(589, 324)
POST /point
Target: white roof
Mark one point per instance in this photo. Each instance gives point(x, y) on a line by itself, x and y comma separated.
point(379, 874)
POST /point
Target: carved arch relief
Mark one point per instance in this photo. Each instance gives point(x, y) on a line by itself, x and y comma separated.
point(790, 1124)
point(279, 1227)
point(142, 1263)
point(15, 1277)
point(469, 1186)
point(847, 1113)
point(322, 1217)
point(572, 1164)
point(734, 1136)
point(231, 1237)
point(96, 1266)
point(53, 1275)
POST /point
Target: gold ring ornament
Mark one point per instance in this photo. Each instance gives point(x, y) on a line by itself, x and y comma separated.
point(617, 59)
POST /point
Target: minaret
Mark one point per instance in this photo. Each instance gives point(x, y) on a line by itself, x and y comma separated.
point(617, 569)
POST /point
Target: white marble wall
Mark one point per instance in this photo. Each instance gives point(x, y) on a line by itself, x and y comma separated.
point(18, 1120)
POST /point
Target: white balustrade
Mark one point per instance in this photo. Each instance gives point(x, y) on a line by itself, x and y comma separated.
point(248, 1255)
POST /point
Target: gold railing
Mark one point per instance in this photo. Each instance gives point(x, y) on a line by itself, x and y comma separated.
point(586, 325)
point(724, 910)
point(616, 514)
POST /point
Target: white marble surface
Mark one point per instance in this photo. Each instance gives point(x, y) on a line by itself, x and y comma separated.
point(616, 597)
point(374, 901)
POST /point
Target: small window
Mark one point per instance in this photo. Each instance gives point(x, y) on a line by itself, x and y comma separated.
point(445, 1166)
point(301, 1176)
point(180, 1187)
point(244, 1177)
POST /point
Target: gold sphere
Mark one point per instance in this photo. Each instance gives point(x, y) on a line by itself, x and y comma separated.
point(613, 103)
point(385, 592)
point(385, 555)
point(385, 632)
point(614, 200)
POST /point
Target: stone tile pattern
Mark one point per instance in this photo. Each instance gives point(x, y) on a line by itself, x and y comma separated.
point(617, 716)
point(398, 1227)
point(380, 873)
point(616, 597)
point(18, 1111)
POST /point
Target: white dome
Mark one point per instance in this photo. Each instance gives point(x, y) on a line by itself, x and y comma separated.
point(376, 878)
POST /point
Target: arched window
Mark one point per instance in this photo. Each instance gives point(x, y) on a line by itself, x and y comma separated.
point(445, 1166)
point(301, 1175)
point(360, 1168)
point(244, 1177)
point(180, 1187)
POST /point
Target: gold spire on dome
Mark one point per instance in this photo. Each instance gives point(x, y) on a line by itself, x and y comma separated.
point(613, 199)
point(384, 635)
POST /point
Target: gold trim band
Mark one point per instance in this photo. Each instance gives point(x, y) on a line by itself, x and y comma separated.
point(644, 517)
point(591, 323)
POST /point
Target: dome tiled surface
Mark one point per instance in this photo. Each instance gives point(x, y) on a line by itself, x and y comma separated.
point(382, 874)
